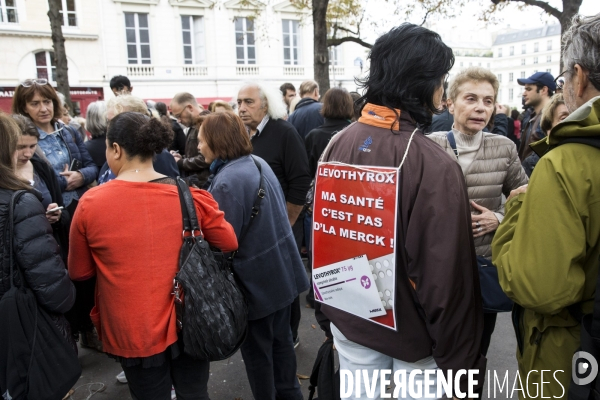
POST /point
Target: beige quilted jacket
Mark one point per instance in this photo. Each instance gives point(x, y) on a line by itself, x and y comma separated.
point(496, 170)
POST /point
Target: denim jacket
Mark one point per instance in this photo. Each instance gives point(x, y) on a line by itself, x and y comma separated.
point(60, 148)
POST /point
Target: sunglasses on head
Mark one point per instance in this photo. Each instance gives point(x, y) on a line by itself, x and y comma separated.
point(31, 82)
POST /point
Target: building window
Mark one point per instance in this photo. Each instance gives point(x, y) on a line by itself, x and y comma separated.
point(522, 74)
point(512, 50)
point(549, 70)
point(193, 39)
point(291, 49)
point(549, 59)
point(499, 95)
point(69, 17)
point(510, 94)
point(510, 77)
point(536, 47)
point(138, 38)
point(488, 65)
point(500, 52)
point(535, 60)
point(522, 61)
point(535, 71)
point(8, 11)
point(245, 48)
point(470, 64)
point(549, 45)
point(523, 48)
point(45, 65)
point(334, 55)
point(461, 64)
point(500, 78)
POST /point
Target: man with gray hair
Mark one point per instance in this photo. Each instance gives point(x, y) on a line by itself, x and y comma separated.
point(547, 256)
point(276, 141)
point(307, 114)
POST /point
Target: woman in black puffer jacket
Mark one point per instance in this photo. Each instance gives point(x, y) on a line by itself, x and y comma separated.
point(35, 250)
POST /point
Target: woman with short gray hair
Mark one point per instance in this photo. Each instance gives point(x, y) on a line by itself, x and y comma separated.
point(489, 162)
point(96, 126)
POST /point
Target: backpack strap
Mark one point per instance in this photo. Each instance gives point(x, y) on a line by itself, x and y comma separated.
point(452, 142)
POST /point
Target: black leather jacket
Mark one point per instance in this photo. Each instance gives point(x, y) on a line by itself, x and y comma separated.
point(36, 253)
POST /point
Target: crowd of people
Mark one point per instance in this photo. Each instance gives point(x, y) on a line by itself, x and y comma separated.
point(97, 232)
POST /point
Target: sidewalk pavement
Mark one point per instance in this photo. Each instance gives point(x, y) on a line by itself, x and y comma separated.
point(228, 378)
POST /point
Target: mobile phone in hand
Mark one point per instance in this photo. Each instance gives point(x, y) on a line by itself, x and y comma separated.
point(75, 165)
point(53, 210)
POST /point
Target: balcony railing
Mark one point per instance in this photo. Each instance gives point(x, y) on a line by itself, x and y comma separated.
point(195, 70)
point(247, 70)
point(339, 71)
point(190, 72)
point(140, 70)
point(293, 71)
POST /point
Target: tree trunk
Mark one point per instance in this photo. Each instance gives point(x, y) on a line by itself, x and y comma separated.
point(570, 9)
point(60, 55)
point(321, 53)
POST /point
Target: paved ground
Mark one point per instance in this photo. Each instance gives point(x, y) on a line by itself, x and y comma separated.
point(228, 378)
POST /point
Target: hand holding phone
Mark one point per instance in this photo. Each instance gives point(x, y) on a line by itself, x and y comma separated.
point(53, 210)
point(75, 165)
point(53, 213)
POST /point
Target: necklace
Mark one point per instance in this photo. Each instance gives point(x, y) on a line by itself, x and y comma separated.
point(135, 170)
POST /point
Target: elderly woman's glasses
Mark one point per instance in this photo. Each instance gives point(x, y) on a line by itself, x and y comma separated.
point(560, 80)
point(31, 82)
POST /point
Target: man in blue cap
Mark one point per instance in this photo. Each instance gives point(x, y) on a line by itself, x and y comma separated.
point(539, 88)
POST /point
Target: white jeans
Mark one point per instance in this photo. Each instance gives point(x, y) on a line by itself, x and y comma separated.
point(354, 357)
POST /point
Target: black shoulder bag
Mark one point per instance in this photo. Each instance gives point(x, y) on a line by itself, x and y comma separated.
point(494, 298)
point(36, 361)
point(212, 313)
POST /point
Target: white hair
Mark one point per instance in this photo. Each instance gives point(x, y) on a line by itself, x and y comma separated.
point(62, 98)
point(272, 96)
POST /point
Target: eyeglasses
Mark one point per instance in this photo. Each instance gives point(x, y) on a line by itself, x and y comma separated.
point(560, 80)
point(31, 82)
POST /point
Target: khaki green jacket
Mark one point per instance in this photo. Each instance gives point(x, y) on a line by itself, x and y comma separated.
point(547, 251)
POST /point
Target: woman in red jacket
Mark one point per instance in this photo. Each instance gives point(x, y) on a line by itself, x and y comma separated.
point(127, 233)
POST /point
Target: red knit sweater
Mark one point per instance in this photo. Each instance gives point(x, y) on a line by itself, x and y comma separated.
point(128, 234)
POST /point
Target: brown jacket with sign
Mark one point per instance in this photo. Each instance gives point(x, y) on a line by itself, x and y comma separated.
point(437, 296)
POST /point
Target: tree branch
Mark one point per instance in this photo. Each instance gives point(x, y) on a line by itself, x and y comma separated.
point(425, 17)
point(338, 41)
point(541, 4)
point(341, 28)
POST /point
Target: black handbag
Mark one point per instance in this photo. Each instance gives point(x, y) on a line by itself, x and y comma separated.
point(36, 361)
point(212, 313)
point(494, 298)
